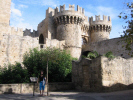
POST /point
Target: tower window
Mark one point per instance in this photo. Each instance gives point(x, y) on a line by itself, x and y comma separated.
point(84, 41)
point(41, 39)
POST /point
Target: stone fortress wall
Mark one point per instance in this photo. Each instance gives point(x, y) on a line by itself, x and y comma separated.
point(116, 46)
point(102, 74)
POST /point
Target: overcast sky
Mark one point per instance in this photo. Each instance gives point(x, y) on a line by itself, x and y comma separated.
point(29, 13)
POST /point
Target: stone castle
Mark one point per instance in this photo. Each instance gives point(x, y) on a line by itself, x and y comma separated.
point(66, 29)
point(70, 30)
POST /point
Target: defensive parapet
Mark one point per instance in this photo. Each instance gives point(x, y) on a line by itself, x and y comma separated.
point(19, 31)
point(100, 29)
point(69, 16)
point(27, 32)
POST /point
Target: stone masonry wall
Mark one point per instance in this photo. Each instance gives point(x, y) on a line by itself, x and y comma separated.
point(99, 36)
point(28, 87)
point(102, 74)
point(13, 47)
point(5, 11)
point(71, 33)
point(116, 73)
point(114, 45)
point(86, 74)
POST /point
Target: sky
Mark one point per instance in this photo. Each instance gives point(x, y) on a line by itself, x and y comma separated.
point(29, 13)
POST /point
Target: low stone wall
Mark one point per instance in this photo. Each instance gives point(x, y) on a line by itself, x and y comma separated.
point(60, 86)
point(103, 74)
point(28, 87)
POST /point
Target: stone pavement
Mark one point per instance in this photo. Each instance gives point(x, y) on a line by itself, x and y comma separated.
point(119, 95)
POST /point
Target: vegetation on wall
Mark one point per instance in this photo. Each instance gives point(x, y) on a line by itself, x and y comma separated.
point(109, 55)
point(94, 54)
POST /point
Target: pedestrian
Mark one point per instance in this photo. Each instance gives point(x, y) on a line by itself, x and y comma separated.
point(42, 81)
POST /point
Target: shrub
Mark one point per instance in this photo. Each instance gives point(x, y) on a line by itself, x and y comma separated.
point(13, 74)
point(92, 55)
point(59, 63)
point(109, 55)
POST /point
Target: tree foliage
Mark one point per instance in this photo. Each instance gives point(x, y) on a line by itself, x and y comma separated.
point(127, 15)
point(13, 74)
point(59, 63)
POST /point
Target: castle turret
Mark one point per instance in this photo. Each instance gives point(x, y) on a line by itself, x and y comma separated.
point(68, 27)
point(100, 29)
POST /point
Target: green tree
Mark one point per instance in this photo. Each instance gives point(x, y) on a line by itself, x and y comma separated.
point(59, 63)
point(127, 15)
point(13, 74)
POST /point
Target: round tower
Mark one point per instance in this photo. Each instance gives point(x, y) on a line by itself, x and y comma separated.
point(68, 28)
point(100, 29)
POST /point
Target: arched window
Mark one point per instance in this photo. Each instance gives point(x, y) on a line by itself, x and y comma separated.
point(84, 41)
point(41, 39)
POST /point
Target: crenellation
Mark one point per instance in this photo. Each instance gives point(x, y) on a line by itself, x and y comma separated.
point(50, 12)
point(62, 8)
point(27, 32)
point(98, 20)
point(56, 10)
point(109, 18)
point(19, 31)
point(79, 9)
point(83, 11)
point(71, 7)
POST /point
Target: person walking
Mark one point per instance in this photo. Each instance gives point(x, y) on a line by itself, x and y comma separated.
point(42, 81)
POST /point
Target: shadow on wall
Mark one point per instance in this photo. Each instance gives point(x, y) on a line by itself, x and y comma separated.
point(102, 75)
point(117, 87)
point(9, 91)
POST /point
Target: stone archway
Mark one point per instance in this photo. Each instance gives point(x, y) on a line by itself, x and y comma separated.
point(41, 39)
point(84, 41)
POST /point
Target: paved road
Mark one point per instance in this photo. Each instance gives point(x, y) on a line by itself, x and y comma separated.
point(119, 95)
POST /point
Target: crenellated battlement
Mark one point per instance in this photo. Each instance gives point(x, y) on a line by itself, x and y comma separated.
point(105, 21)
point(70, 16)
point(27, 32)
point(71, 8)
point(103, 25)
point(18, 31)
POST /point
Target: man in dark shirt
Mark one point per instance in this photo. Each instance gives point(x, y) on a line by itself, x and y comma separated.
point(42, 81)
